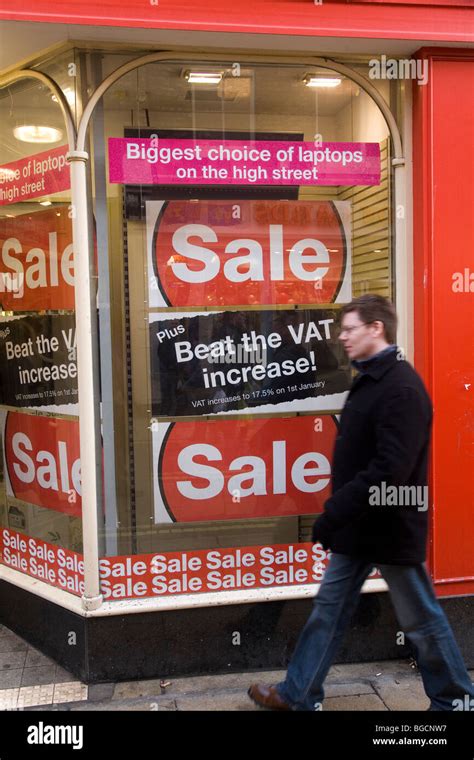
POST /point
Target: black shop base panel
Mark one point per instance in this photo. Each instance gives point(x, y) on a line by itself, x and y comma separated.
point(221, 639)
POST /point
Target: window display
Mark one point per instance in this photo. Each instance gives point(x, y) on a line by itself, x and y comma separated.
point(229, 230)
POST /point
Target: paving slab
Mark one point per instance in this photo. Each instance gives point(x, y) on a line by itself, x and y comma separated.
point(10, 642)
point(134, 705)
point(99, 692)
point(9, 699)
point(347, 689)
point(11, 660)
point(407, 694)
point(70, 692)
point(64, 676)
point(130, 689)
point(35, 658)
point(38, 676)
point(41, 694)
point(361, 703)
point(135, 689)
point(371, 669)
point(238, 701)
point(10, 679)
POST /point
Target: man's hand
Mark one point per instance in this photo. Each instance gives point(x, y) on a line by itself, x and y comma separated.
point(321, 532)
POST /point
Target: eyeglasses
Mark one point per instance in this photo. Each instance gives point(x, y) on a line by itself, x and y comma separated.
point(349, 330)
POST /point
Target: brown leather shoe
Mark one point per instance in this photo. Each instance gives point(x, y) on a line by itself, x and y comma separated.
point(267, 696)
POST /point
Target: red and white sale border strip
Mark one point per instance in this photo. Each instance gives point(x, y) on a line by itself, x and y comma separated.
point(168, 573)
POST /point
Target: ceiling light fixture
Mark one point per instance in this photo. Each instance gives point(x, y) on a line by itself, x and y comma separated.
point(318, 81)
point(203, 77)
point(32, 134)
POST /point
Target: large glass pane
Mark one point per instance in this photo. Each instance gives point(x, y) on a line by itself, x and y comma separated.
point(226, 373)
point(40, 489)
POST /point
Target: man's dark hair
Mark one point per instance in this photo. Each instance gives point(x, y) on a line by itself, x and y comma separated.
point(371, 307)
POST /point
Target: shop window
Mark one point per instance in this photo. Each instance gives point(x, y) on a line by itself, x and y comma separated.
point(221, 374)
point(40, 488)
point(212, 454)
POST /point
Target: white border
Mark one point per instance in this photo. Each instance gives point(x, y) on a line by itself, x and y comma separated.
point(158, 432)
point(170, 602)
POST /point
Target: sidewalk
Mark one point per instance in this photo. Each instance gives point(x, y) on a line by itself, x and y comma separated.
point(31, 681)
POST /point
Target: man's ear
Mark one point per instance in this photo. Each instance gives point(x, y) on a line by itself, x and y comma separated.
point(380, 327)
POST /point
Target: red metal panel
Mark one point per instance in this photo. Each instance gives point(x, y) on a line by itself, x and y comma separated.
point(462, 3)
point(444, 304)
point(298, 17)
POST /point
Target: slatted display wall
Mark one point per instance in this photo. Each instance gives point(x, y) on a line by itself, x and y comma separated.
point(371, 260)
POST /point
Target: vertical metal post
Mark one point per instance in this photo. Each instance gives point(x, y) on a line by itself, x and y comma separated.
point(110, 543)
point(401, 261)
point(89, 422)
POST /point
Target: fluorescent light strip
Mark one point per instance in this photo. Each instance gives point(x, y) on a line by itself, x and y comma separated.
point(322, 82)
point(203, 77)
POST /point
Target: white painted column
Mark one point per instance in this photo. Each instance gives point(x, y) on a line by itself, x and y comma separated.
point(89, 424)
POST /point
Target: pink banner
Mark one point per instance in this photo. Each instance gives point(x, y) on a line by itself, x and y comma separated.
point(238, 162)
point(41, 174)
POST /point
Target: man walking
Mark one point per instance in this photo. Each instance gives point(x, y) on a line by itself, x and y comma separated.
point(382, 448)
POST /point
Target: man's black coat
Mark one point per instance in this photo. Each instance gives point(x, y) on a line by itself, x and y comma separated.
point(384, 438)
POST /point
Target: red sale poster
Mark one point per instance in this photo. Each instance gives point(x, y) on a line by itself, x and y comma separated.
point(42, 560)
point(42, 464)
point(224, 253)
point(248, 468)
point(37, 261)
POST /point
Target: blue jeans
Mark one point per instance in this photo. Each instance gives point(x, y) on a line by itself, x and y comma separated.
point(419, 614)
